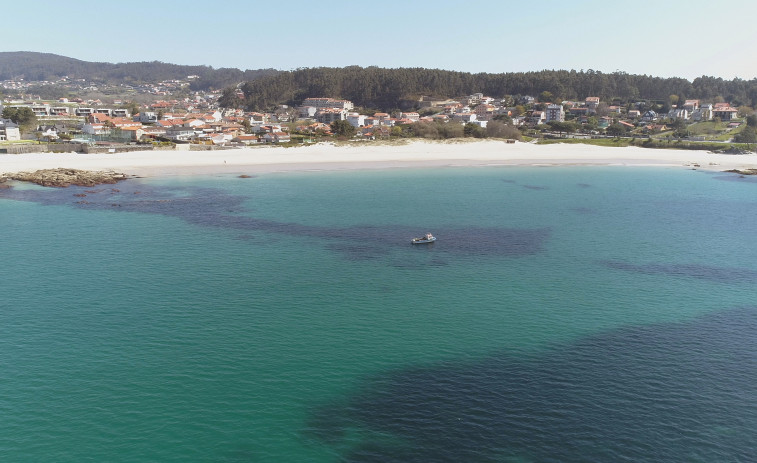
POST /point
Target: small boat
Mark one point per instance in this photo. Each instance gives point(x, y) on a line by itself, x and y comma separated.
point(427, 238)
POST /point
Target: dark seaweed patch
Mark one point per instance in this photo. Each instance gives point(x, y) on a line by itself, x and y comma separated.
point(211, 207)
point(675, 392)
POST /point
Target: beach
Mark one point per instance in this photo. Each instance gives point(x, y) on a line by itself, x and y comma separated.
point(360, 155)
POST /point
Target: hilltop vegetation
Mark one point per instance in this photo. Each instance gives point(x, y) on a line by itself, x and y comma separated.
point(389, 89)
point(32, 66)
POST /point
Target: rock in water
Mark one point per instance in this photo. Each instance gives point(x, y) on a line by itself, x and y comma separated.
point(62, 177)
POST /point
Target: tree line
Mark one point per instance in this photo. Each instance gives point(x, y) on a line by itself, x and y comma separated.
point(392, 89)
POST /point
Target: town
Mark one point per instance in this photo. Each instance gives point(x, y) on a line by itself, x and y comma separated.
point(197, 119)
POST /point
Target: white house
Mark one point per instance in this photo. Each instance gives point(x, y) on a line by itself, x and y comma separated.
point(179, 132)
point(276, 137)
point(356, 120)
point(9, 130)
point(679, 113)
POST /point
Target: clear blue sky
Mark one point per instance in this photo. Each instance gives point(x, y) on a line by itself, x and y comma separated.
point(666, 38)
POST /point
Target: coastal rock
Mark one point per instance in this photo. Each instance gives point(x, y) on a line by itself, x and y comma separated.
point(743, 171)
point(62, 177)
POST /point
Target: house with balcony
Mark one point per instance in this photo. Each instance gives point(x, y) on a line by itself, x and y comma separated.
point(329, 115)
point(59, 111)
point(84, 112)
point(555, 112)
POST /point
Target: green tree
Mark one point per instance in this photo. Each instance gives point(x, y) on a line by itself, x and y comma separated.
point(751, 120)
point(560, 127)
point(497, 129)
point(616, 130)
point(343, 129)
point(473, 130)
point(748, 136)
point(22, 116)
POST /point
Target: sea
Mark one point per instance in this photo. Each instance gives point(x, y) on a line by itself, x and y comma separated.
point(564, 314)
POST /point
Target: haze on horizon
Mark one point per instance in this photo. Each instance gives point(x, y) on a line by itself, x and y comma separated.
point(675, 38)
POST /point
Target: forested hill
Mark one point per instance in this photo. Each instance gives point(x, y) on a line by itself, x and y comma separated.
point(388, 89)
point(32, 66)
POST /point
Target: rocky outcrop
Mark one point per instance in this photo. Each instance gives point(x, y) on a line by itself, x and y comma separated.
point(743, 171)
point(62, 177)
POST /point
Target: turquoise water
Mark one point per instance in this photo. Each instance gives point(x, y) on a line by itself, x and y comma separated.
point(564, 314)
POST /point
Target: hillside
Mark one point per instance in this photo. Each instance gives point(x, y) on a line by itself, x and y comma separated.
point(33, 66)
point(389, 89)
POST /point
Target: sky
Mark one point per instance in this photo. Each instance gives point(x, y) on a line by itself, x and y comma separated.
point(666, 38)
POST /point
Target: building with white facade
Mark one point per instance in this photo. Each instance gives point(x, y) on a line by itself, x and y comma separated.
point(555, 112)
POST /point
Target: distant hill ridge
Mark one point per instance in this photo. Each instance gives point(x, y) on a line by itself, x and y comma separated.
point(34, 66)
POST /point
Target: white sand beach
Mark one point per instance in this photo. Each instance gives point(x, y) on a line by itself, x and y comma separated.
point(326, 156)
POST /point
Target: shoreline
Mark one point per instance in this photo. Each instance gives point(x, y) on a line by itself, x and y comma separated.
point(330, 157)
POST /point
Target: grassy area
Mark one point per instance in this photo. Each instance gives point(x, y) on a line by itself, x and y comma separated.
point(707, 129)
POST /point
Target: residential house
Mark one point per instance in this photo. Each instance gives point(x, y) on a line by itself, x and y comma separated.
point(154, 131)
point(356, 120)
point(627, 125)
point(329, 115)
point(95, 128)
point(702, 113)
point(307, 112)
point(180, 133)
point(59, 111)
point(691, 105)
point(679, 113)
point(634, 113)
point(725, 112)
point(591, 103)
point(41, 110)
point(579, 111)
point(535, 117)
point(146, 117)
point(649, 116)
point(655, 128)
point(412, 116)
point(484, 111)
point(9, 130)
point(464, 117)
point(276, 137)
point(132, 133)
point(555, 112)
point(246, 139)
point(83, 112)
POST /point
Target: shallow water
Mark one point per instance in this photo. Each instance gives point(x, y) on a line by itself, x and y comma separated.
point(564, 314)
